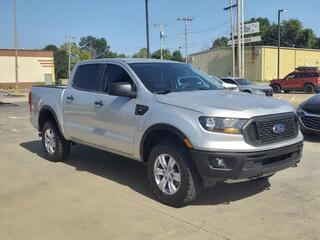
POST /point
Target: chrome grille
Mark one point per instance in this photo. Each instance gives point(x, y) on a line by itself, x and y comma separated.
point(260, 130)
point(312, 122)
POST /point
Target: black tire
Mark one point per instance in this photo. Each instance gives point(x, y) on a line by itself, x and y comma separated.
point(286, 91)
point(309, 88)
point(190, 185)
point(276, 88)
point(62, 146)
point(246, 91)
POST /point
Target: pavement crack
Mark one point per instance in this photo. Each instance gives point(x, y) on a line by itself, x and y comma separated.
point(175, 218)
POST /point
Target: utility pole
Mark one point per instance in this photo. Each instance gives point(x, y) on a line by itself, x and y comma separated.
point(147, 27)
point(15, 43)
point(242, 37)
point(160, 27)
point(186, 20)
point(279, 12)
point(232, 35)
point(69, 38)
point(239, 39)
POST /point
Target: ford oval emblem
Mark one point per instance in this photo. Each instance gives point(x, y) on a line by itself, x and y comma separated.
point(279, 128)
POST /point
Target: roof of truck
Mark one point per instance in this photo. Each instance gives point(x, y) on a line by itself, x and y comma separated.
point(129, 60)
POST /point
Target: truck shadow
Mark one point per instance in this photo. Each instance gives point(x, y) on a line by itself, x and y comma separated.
point(134, 175)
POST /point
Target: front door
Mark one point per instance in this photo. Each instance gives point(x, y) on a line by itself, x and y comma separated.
point(114, 118)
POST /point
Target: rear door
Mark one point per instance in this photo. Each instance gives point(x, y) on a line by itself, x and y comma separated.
point(114, 119)
point(79, 102)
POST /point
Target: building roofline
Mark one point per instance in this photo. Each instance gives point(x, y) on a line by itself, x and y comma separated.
point(257, 46)
point(8, 52)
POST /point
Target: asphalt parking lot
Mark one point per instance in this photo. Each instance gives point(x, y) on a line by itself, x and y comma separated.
point(97, 195)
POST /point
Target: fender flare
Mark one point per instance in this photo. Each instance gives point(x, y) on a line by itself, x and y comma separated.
point(159, 126)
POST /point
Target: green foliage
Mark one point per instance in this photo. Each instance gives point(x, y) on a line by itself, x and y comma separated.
point(292, 34)
point(60, 61)
point(141, 54)
point(165, 53)
point(220, 42)
point(96, 46)
point(177, 56)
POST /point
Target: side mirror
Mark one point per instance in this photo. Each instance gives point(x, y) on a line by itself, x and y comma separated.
point(123, 89)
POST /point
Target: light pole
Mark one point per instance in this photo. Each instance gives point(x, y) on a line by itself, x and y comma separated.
point(15, 44)
point(279, 12)
point(186, 20)
point(232, 35)
point(69, 38)
point(147, 27)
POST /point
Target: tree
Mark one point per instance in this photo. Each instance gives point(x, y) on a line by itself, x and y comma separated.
point(177, 56)
point(307, 39)
point(77, 54)
point(165, 53)
point(220, 42)
point(60, 61)
point(96, 46)
point(141, 54)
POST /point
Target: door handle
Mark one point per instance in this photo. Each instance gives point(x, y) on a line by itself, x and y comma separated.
point(98, 103)
point(70, 98)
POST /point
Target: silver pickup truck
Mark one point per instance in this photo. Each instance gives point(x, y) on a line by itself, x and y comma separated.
point(179, 121)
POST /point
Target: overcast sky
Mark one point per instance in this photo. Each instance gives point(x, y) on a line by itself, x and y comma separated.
point(122, 22)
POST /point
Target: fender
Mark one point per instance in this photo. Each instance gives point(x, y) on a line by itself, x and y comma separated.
point(159, 126)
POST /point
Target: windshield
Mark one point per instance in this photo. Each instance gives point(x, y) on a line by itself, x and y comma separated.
point(242, 81)
point(173, 77)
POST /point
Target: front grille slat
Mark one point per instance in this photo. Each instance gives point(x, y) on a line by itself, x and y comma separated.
point(259, 130)
point(312, 122)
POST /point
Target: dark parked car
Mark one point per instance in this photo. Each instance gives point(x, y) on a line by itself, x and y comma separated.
point(309, 115)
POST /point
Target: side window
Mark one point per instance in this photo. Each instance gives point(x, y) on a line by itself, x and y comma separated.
point(226, 80)
point(88, 77)
point(115, 73)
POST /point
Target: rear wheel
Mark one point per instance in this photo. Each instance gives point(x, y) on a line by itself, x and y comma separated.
point(309, 88)
point(57, 148)
point(276, 88)
point(172, 177)
point(286, 91)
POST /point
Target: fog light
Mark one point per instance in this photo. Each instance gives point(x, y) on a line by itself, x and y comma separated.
point(218, 163)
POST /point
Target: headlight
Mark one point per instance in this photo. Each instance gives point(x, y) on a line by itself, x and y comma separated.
point(300, 112)
point(223, 125)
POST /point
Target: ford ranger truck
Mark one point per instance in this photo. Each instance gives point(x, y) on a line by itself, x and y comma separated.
point(171, 116)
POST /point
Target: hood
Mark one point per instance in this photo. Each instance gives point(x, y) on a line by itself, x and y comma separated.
point(221, 103)
point(312, 105)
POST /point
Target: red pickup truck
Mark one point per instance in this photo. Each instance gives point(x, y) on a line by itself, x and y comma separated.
point(305, 79)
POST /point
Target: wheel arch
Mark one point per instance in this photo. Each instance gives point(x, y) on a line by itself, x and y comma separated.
point(45, 114)
point(155, 134)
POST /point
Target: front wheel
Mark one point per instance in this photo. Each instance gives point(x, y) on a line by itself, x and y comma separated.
point(172, 176)
point(57, 148)
point(309, 88)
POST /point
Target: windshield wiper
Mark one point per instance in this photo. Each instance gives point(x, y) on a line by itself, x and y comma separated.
point(163, 91)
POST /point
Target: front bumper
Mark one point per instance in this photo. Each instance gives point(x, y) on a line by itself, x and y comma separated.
point(239, 165)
